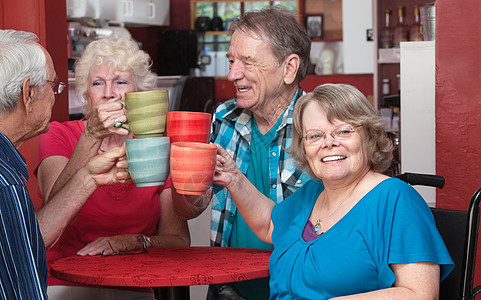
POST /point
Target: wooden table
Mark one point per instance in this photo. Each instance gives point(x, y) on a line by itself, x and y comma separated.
point(165, 267)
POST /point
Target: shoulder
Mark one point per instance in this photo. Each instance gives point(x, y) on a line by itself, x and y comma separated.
point(67, 131)
point(308, 193)
point(71, 127)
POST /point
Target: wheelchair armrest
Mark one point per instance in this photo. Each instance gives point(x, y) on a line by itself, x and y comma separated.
point(422, 179)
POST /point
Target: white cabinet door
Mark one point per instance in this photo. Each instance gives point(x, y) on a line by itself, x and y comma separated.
point(418, 112)
point(145, 12)
point(358, 51)
point(83, 8)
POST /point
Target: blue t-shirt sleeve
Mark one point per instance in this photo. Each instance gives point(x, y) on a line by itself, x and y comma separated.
point(410, 231)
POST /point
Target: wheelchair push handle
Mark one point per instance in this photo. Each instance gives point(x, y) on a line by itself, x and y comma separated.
point(422, 179)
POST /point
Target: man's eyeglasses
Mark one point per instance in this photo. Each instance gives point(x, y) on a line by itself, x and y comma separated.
point(57, 86)
point(341, 132)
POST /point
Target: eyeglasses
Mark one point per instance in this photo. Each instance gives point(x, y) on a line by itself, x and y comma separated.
point(57, 86)
point(341, 132)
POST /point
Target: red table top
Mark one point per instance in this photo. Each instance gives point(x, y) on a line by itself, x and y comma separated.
point(165, 266)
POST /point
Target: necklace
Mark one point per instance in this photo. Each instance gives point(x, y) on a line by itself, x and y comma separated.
point(318, 227)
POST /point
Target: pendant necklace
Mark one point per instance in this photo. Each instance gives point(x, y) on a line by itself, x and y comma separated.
point(318, 227)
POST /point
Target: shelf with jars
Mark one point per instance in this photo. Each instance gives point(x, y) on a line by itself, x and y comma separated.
point(212, 17)
point(394, 22)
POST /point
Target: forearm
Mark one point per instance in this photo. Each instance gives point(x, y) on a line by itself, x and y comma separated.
point(86, 148)
point(255, 208)
point(62, 207)
point(389, 293)
point(189, 207)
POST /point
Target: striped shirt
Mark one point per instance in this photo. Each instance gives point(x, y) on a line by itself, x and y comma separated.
point(232, 130)
point(23, 267)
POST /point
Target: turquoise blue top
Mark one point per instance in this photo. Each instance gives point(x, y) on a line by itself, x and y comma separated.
point(390, 224)
point(242, 235)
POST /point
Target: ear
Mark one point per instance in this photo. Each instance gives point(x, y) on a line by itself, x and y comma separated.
point(291, 66)
point(28, 94)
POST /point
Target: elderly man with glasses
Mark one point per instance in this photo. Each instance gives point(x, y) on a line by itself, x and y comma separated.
point(28, 85)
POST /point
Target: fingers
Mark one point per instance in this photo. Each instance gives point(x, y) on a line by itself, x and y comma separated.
point(107, 118)
point(110, 245)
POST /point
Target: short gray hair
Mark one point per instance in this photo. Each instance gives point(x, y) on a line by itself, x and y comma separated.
point(281, 28)
point(21, 57)
point(344, 103)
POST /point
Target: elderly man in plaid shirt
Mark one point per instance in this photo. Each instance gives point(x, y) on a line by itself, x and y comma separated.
point(268, 57)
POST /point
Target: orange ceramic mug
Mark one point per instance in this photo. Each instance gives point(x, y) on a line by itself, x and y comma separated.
point(192, 167)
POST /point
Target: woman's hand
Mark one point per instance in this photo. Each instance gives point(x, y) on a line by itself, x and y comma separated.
point(111, 245)
point(226, 171)
point(101, 120)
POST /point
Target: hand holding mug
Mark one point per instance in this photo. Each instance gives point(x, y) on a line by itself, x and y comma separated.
point(146, 113)
point(109, 167)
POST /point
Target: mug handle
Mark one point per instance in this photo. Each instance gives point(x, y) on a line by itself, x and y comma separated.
point(124, 125)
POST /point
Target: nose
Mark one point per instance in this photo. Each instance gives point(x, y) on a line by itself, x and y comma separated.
point(329, 141)
point(110, 91)
point(236, 71)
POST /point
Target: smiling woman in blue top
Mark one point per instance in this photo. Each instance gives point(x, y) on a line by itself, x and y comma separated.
point(351, 230)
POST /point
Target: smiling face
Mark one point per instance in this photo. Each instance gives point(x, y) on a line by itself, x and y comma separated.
point(333, 160)
point(105, 83)
point(255, 71)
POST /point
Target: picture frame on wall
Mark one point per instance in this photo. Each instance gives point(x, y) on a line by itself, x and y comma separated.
point(314, 26)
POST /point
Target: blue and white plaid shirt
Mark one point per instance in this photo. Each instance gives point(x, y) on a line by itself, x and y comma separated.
point(232, 130)
point(23, 266)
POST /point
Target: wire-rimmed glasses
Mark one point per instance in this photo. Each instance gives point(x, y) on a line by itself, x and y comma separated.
point(340, 132)
point(57, 86)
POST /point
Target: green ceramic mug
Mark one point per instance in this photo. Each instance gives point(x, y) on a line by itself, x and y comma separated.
point(146, 112)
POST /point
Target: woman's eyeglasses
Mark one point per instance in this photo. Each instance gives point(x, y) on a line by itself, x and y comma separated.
point(341, 132)
point(57, 86)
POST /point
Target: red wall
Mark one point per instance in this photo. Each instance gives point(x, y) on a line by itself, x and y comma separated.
point(458, 104)
point(48, 20)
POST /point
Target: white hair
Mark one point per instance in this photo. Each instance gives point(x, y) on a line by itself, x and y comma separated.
point(21, 57)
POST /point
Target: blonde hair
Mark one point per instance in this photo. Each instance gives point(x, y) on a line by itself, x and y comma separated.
point(120, 53)
point(345, 103)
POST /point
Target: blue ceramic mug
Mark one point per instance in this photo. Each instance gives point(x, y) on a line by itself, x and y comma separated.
point(149, 160)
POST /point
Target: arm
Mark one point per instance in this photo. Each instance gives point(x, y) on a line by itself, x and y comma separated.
point(63, 206)
point(256, 209)
point(189, 207)
point(413, 281)
point(172, 231)
point(98, 126)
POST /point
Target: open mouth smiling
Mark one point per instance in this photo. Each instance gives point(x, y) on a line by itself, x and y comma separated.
point(242, 88)
point(333, 158)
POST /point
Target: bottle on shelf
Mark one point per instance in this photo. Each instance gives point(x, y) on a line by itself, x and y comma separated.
point(401, 30)
point(386, 32)
point(386, 87)
point(415, 28)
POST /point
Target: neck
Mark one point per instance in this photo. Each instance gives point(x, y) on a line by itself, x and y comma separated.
point(267, 116)
point(16, 133)
point(334, 193)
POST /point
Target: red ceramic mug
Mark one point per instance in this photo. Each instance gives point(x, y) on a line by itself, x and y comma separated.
point(188, 126)
point(192, 167)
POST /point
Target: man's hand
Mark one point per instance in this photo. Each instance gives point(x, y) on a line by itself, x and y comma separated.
point(110, 167)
